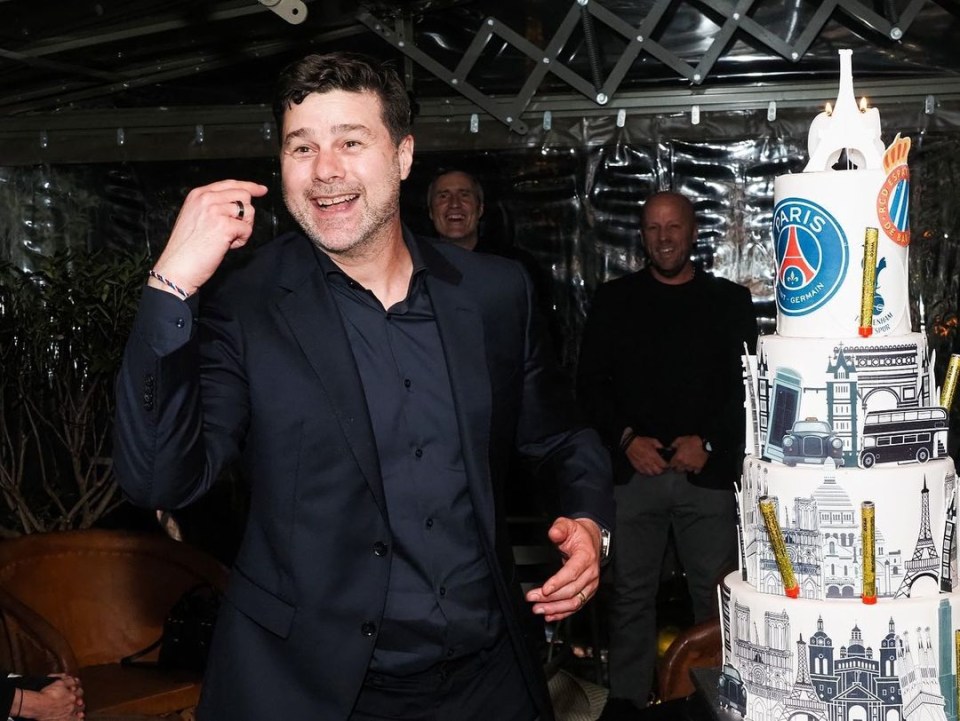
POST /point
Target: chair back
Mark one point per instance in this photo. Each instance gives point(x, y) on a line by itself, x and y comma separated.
point(106, 592)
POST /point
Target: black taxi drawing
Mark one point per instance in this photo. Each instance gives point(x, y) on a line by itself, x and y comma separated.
point(731, 692)
point(812, 441)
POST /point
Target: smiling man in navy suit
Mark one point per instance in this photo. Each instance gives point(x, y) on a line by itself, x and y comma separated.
point(374, 386)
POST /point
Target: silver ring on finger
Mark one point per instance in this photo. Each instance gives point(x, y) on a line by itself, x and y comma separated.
point(240, 209)
point(583, 599)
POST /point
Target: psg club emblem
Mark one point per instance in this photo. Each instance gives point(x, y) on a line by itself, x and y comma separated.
point(812, 256)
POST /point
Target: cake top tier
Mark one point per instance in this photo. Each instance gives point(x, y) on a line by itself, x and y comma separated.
point(852, 189)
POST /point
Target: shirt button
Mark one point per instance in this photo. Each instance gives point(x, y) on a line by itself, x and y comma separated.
point(368, 628)
point(418, 453)
point(181, 322)
point(429, 523)
point(380, 548)
point(406, 382)
point(443, 590)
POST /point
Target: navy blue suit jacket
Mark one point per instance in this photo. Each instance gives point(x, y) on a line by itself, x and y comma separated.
point(265, 375)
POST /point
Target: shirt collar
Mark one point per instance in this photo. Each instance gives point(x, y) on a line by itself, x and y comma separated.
point(419, 266)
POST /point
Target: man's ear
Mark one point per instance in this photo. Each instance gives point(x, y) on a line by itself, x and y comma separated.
point(480, 211)
point(405, 155)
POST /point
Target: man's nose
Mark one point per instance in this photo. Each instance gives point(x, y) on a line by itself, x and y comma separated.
point(327, 167)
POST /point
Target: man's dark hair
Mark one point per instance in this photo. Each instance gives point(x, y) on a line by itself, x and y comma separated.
point(351, 72)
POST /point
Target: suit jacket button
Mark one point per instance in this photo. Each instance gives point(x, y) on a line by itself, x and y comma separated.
point(368, 628)
point(380, 548)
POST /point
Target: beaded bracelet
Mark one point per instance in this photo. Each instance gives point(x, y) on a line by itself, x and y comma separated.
point(154, 274)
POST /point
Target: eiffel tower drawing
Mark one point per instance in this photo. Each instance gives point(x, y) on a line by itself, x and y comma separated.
point(925, 561)
point(802, 701)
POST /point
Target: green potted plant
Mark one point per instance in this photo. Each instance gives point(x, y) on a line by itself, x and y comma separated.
point(62, 330)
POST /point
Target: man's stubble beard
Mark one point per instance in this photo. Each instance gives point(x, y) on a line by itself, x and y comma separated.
point(671, 272)
point(374, 220)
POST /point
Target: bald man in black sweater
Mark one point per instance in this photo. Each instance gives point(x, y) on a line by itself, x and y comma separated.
point(660, 377)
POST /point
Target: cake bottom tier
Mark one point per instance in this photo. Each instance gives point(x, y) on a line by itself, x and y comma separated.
point(803, 659)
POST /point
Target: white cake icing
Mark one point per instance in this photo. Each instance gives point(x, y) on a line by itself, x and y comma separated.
point(839, 413)
point(819, 248)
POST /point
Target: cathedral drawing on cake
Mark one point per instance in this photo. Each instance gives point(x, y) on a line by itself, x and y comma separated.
point(789, 678)
point(821, 532)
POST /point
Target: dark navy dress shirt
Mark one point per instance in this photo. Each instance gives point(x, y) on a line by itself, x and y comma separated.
point(441, 603)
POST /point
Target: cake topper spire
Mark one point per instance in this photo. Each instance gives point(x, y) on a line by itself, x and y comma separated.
point(846, 127)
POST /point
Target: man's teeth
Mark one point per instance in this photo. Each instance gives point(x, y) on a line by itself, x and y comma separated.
point(327, 202)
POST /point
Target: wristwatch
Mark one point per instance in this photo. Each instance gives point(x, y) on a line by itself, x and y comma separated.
point(605, 539)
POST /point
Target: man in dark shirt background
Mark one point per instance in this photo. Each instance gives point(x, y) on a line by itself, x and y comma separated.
point(660, 377)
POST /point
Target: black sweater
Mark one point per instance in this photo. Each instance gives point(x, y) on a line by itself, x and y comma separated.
point(664, 360)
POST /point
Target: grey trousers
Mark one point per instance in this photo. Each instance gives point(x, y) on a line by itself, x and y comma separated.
point(704, 526)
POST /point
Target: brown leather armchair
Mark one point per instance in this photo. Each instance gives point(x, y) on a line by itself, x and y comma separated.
point(106, 595)
point(28, 644)
point(700, 646)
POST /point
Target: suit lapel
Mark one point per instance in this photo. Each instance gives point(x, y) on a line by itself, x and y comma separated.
point(461, 333)
point(313, 318)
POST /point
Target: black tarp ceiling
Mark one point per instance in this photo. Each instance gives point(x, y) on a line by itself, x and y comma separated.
point(59, 56)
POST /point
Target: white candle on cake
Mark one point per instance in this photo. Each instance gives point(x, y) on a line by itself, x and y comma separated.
point(845, 126)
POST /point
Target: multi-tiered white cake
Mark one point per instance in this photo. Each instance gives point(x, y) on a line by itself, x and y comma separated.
point(837, 417)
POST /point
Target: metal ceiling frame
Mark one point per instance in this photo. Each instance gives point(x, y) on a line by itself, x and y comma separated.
point(144, 74)
point(641, 39)
point(247, 130)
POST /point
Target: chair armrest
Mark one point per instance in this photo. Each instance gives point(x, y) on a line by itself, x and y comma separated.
point(696, 647)
point(29, 645)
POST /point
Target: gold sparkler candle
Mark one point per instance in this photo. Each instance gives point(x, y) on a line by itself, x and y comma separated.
point(949, 388)
point(769, 513)
point(868, 533)
point(956, 675)
point(870, 241)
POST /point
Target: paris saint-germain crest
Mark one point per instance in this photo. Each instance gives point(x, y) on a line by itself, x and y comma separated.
point(812, 255)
